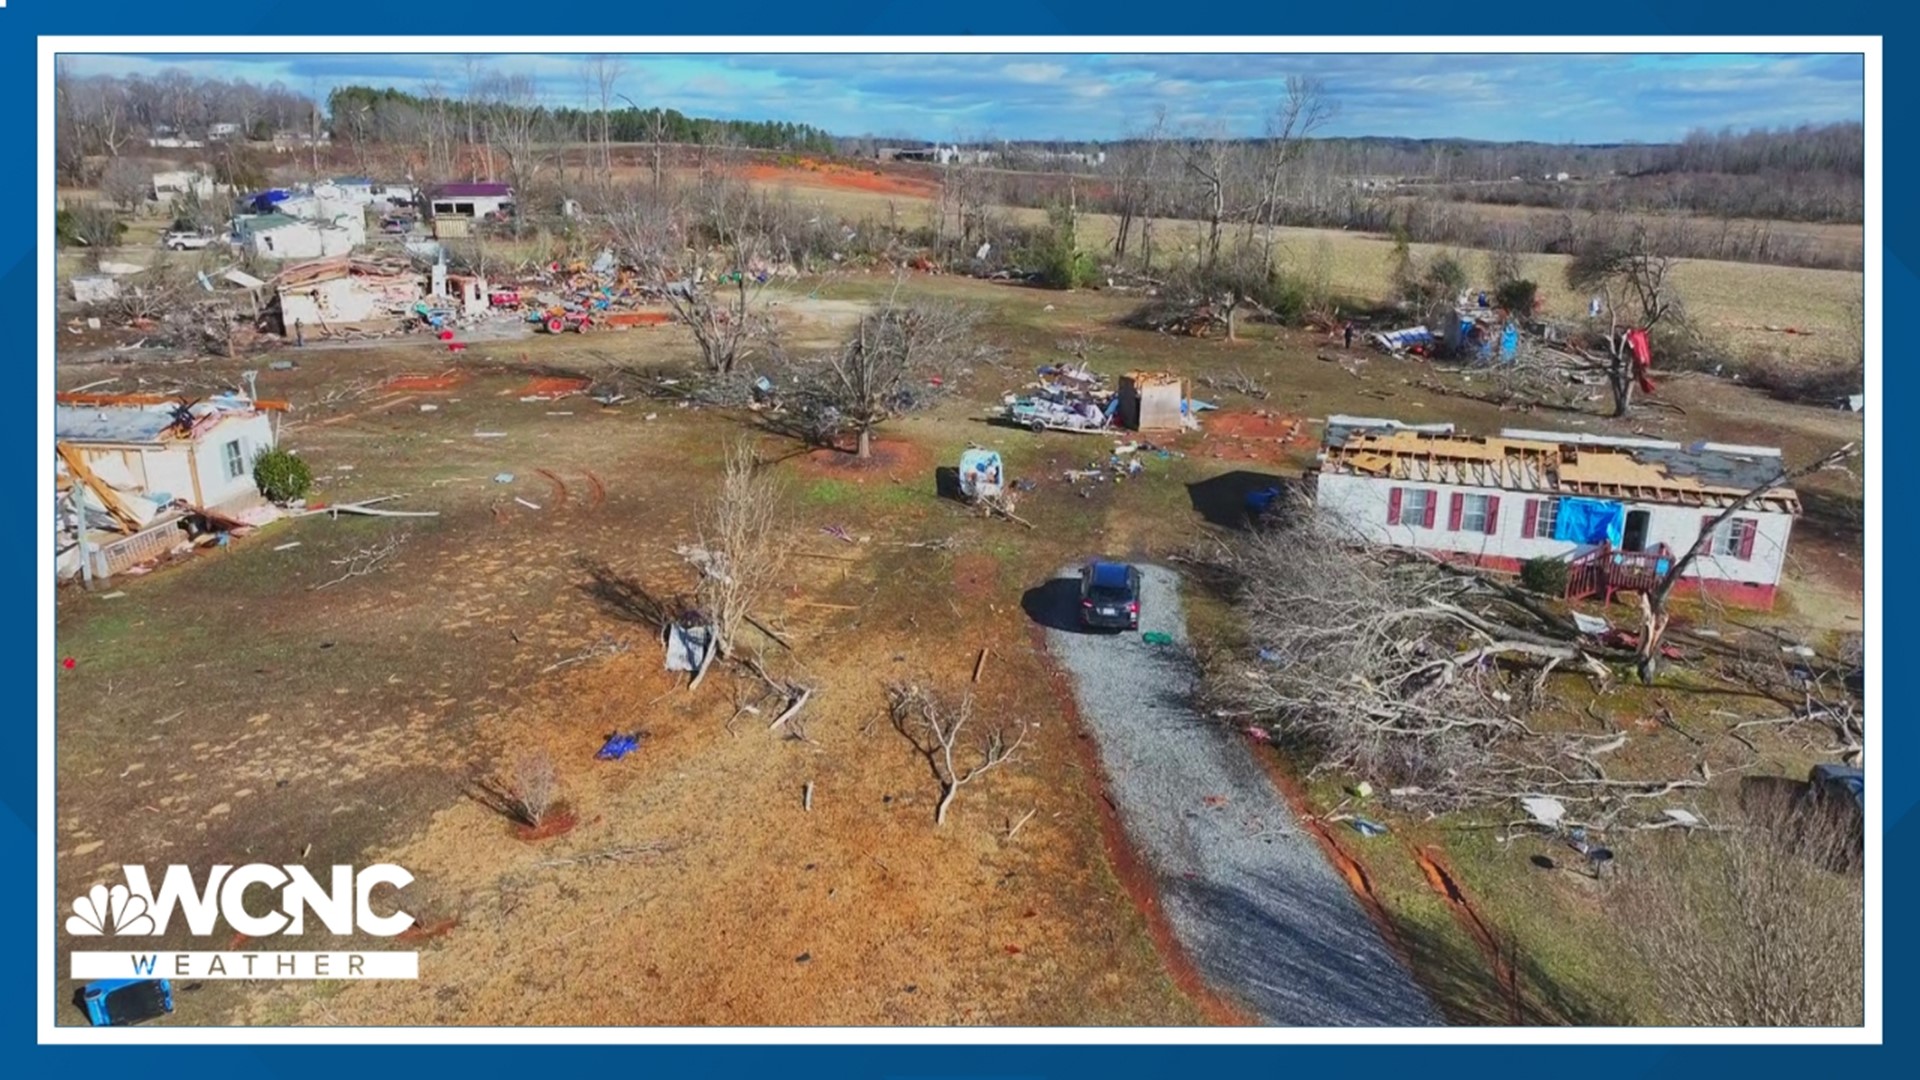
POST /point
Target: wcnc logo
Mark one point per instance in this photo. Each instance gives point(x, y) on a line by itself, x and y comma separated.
point(343, 906)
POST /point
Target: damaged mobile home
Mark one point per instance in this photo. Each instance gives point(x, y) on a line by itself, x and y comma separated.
point(134, 472)
point(1618, 510)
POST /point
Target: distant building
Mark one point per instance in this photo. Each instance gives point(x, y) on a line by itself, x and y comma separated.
point(279, 236)
point(470, 200)
point(1619, 511)
point(222, 132)
point(326, 296)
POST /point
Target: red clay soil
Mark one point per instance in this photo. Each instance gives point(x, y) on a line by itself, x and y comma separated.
point(559, 488)
point(596, 493)
point(897, 458)
point(1127, 865)
point(558, 822)
point(1253, 436)
point(553, 386)
point(1443, 883)
point(427, 931)
point(841, 178)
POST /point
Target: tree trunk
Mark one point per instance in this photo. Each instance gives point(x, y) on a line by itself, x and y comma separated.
point(946, 800)
point(865, 450)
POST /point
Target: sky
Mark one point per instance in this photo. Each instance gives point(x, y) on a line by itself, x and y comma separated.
point(948, 97)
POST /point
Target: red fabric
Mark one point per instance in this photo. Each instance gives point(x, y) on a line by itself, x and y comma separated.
point(1454, 512)
point(1393, 506)
point(1642, 348)
point(1433, 503)
point(1529, 518)
point(1493, 515)
point(1748, 527)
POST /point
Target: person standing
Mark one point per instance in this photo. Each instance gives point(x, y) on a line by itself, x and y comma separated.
point(1348, 329)
point(299, 333)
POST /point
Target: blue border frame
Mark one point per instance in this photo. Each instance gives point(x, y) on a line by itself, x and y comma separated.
point(23, 19)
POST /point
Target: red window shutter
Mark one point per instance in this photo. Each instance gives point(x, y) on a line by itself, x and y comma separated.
point(1393, 506)
point(1433, 503)
point(1748, 527)
point(1493, 515)
point(1706, 530)
point(1455, 510)
point(1529, 519)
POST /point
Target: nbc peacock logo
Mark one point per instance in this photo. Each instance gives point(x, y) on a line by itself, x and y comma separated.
point(118, 907)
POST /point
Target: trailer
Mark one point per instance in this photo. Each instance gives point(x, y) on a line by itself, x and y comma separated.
point(1040, 414)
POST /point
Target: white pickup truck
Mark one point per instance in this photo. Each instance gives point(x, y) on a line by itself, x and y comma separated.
point(186, 241)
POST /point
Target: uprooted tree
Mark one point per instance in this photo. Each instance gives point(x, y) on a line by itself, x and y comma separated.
point(1637, 287)
point(936, 729)
point(1417, 675)
point(898, 360)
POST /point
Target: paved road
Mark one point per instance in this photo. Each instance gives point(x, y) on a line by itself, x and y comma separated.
point(1249, 894)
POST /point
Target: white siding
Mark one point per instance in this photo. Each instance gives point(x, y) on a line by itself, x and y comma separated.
point(254, 434)
point(1360, 503)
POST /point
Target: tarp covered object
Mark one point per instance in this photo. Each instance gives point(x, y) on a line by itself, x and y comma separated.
point(686, 647)
point(1590, 521)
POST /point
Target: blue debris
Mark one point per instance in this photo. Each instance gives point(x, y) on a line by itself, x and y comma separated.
point(1269, 656)
point(503, 478)
point(619, 746)
point(1368, 828)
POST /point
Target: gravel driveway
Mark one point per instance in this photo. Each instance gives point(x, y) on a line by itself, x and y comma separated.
point(1249, 894)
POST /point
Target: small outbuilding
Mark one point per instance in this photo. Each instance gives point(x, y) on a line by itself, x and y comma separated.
point(1152, 401)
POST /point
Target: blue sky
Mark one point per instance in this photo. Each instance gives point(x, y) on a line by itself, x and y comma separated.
point(1589, 98)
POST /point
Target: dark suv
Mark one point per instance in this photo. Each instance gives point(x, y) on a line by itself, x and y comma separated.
point(1110, 596)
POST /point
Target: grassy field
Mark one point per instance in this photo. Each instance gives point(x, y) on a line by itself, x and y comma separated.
point(231, 709)
point(1747, 305)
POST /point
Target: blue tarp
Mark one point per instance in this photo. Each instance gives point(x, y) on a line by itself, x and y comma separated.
point(1590, 521)
point(1509, 342)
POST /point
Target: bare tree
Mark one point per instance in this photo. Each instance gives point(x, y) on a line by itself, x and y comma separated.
point(535, 787)
point(723, 306)
point(1208, 158)
point(605, 72)
point(1305, 109)
point(888, 367)
point(126, 182)
point(524, 131)
point(1751, 926)
point(935, 729)
point(744, 536)
point(1635, 284)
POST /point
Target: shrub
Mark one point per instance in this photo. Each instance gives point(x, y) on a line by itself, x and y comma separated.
point(1517, 296)
point(282, 476)
point(1545, 575)
point(534, 788)
point(1058, 258)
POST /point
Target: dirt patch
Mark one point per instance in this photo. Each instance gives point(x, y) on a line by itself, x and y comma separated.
point(552, 387)
point(836, 177)
point(446, 380)
point(895, 458)
point(559, 488)
point(558, 822)
point(1256, 436)
point(1449, 890)
point(976, 575)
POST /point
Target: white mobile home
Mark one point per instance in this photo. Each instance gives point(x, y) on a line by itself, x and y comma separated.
point(1620, 508)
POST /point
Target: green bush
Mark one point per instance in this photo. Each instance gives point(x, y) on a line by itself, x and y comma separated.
point(1517, 296)
point(1544, 575)
point(282, 476)
point(1057, 256)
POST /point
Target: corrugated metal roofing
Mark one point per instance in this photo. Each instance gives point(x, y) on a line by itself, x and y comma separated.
point(472, 190)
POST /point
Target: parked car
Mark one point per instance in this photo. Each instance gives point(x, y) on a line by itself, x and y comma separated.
point(187, 241)
point(396, 225)
point(1110, 596)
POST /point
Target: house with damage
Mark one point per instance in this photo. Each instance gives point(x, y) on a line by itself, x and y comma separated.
point(1619, 511)
point(175, 183)
point(132, 469)
point(281, 236)
point(341, 293)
